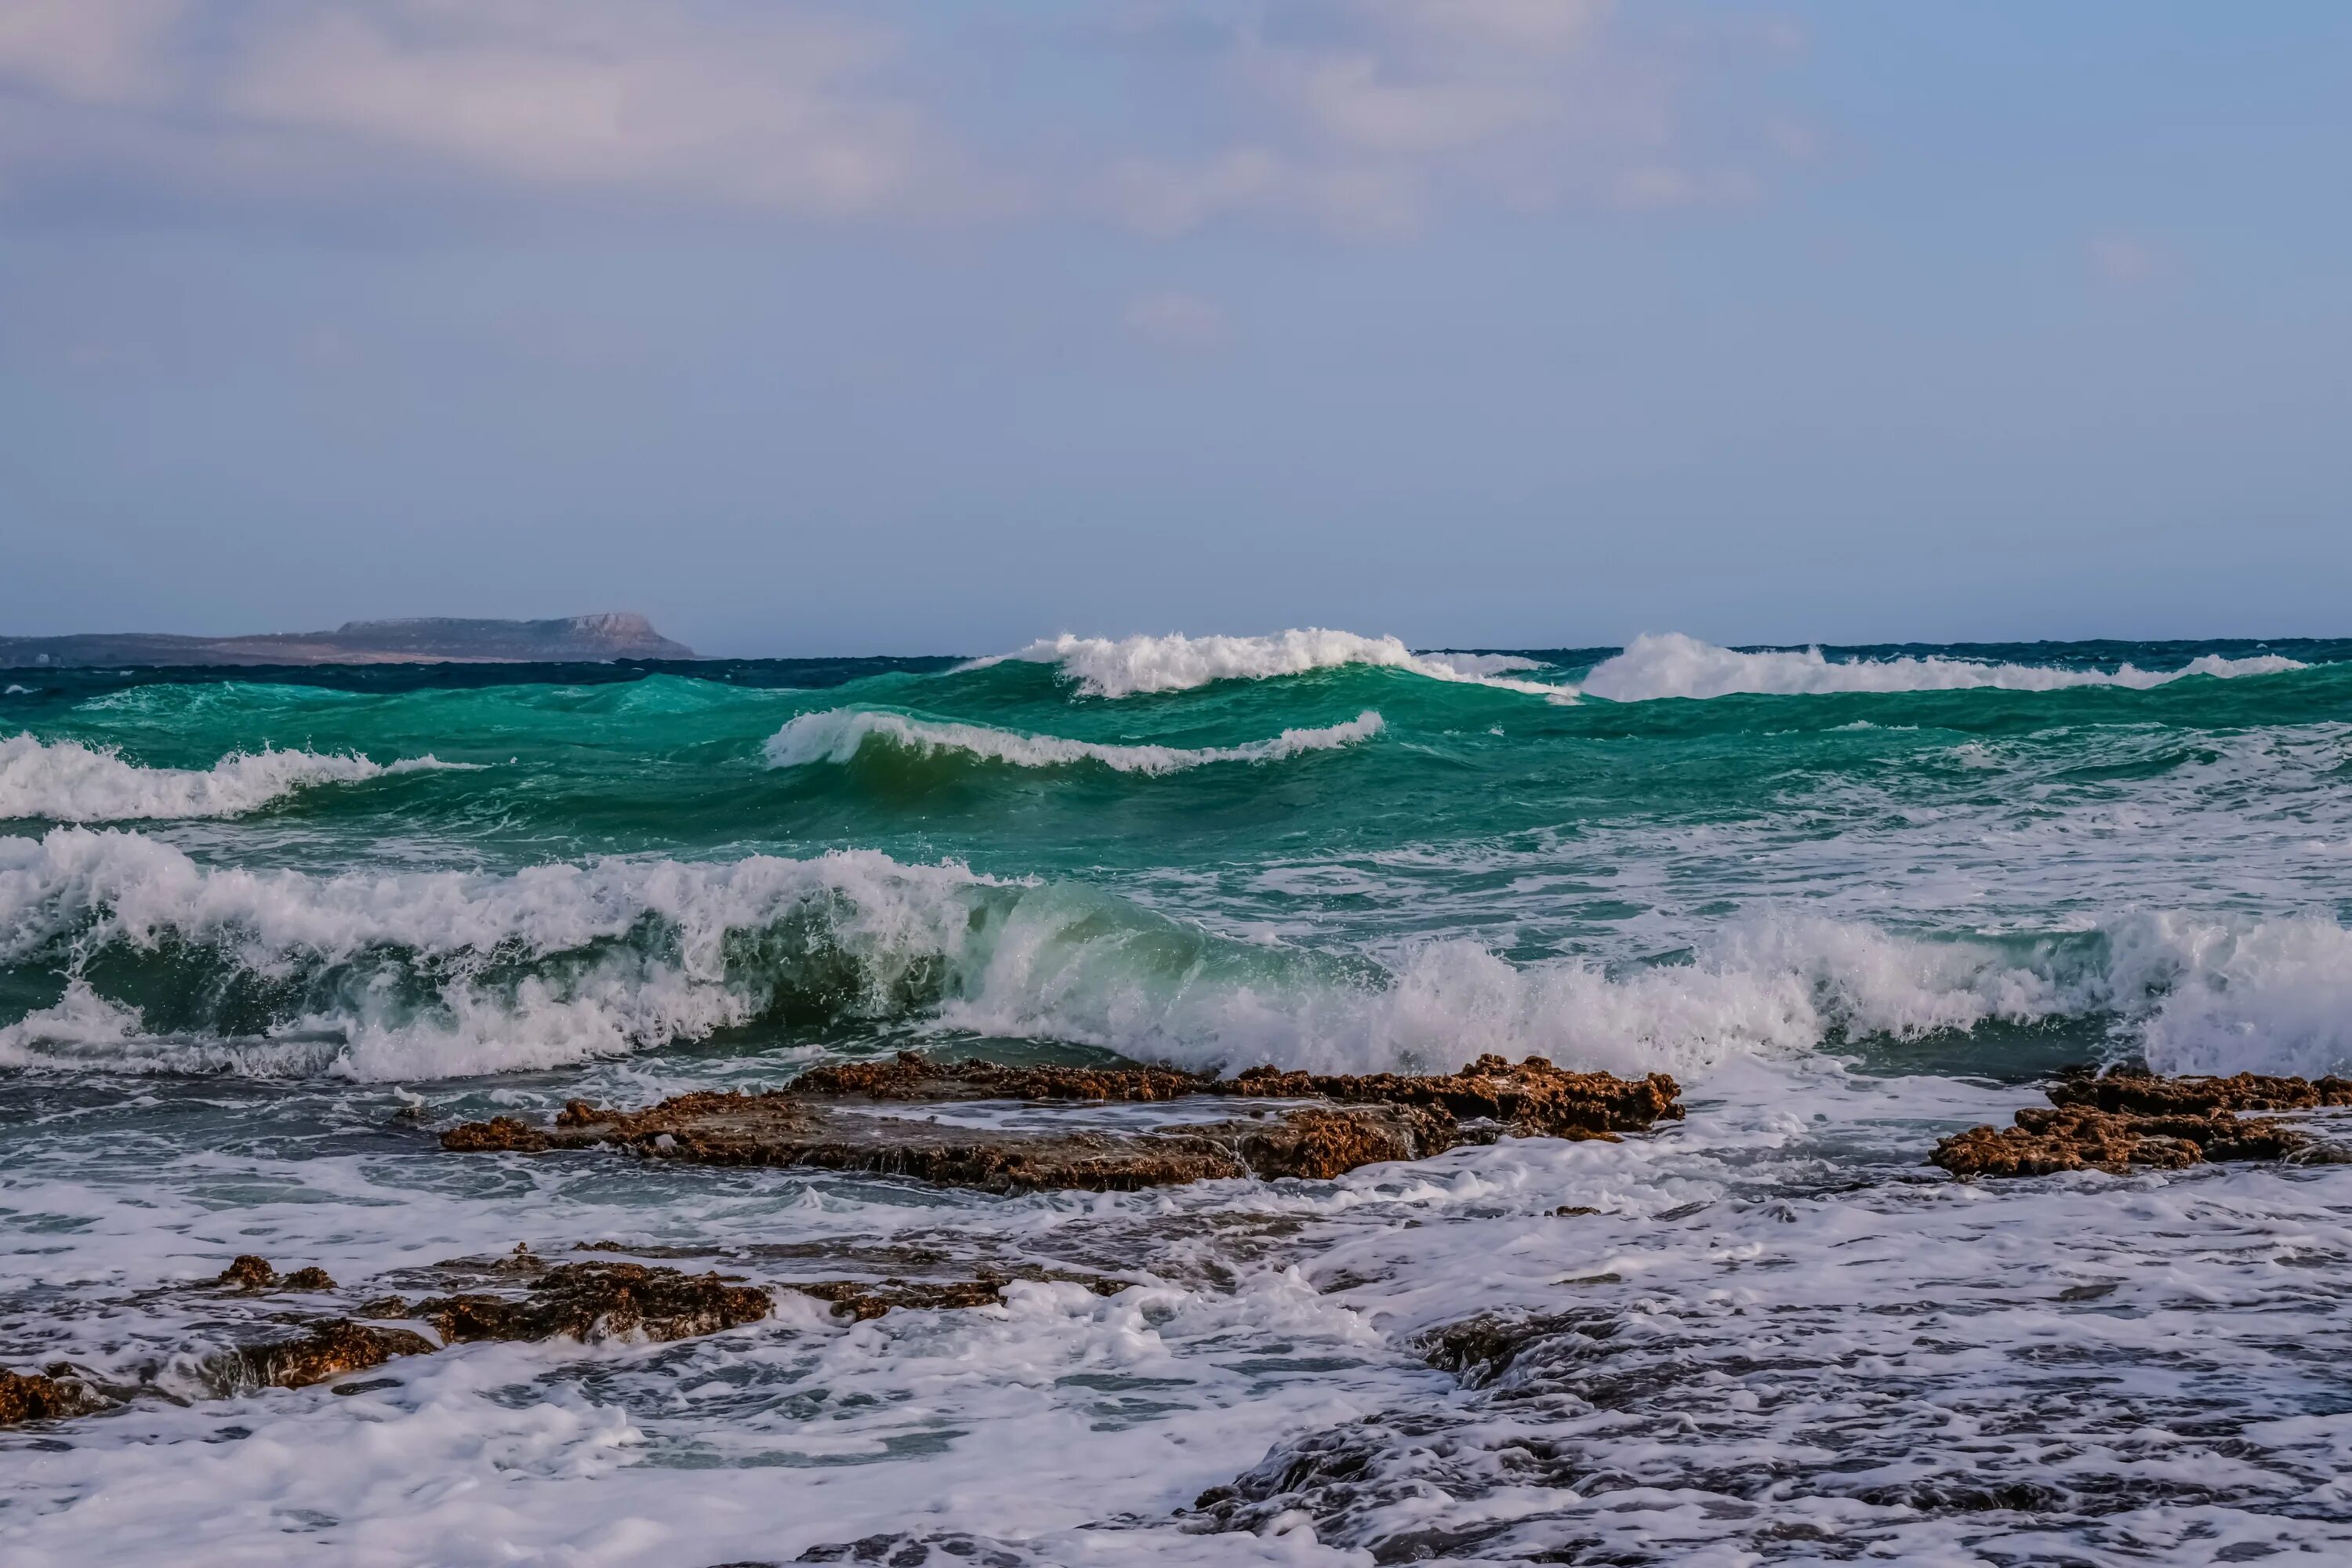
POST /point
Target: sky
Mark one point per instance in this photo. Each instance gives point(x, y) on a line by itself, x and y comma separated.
point(885, 327)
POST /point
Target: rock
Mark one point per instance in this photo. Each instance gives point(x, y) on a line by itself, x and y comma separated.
point(330, 1350)
point(595, 1301)
point(251, 1272)
point(2120, 1121)
point(865, 1300)
point(32, 1396)
point(248, 1272)
point(2144, 1093)
point(1532, 1099)
point(1375, 1119)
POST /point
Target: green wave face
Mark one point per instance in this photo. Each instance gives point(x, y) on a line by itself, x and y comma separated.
point(1345, 861)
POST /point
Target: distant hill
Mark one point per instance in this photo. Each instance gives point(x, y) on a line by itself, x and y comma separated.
point(427, 639)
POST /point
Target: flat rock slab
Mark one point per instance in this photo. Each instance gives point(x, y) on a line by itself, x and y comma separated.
point(819, 1121)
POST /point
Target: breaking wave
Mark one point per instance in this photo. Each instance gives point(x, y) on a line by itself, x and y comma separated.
point(837, 734)
point(1124, 666)
point(1671, 665)
point(157, 961)
point(66, 781)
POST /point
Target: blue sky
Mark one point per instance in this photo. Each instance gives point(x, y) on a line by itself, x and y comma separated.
point(909, 328)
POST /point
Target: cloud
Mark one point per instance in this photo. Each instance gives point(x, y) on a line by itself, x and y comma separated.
point(2118, 259)
point(772, 107)
point(1182, 322)
point(1352, 116)
point(90, 51)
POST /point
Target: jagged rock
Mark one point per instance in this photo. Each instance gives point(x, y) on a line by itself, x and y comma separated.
point(34, 1396)
point(249, 1271)
point(864, 1300)
point(596, 1301)
point(330, 1350)
point(2123, 1120)
point(2145, 1094)
point(1533, 1099)
point(1380, 1118)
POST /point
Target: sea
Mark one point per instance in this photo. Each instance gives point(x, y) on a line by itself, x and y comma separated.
point(263, 934)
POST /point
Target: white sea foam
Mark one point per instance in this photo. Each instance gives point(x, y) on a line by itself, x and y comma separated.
point(1105, 667)
point(415, 975)
point(1671, 665)
point(836, 734)
point(66, 781)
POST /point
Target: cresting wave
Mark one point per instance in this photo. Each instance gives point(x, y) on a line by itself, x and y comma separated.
point(65, 781)
point(1125, 667)
point(836, 735)
point(1669, 664)
point(159, 961)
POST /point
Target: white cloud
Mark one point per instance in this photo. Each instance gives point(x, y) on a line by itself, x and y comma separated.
point(90, 51)
point(1353, 116)
point(1172, 321)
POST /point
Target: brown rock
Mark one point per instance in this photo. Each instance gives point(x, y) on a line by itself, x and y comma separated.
point(2144, 1093)
point(1534, 1099)
point(31, 1396)
point(595, 1301)
point(330, 1350)
point(248, 1272)
point(864, 1300)
point(2074, 1138)
point(312, 1278)
point(1379, 1118)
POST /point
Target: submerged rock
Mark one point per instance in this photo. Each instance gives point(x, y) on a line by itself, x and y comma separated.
point(1372, 1119)
point(2122, 1120)
point(867, 1300)
point(589, 1302)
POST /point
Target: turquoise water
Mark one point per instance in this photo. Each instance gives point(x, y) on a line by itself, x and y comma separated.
point(261, 933)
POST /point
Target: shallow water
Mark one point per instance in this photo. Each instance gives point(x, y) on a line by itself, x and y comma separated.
point(1854, 902)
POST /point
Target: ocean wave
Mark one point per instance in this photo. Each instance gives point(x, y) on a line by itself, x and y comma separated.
point(836, 735)
point(66, 781)
point(161, 962)
point(1125, 667)
point(1671, 665)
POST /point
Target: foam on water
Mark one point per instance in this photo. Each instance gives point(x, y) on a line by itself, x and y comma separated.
point(1124, 666)
point(1660, 665)
point(836, 735)
point(66, 781)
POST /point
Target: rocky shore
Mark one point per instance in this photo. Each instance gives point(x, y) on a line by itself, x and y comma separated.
point(2112, 1121)
point(1310, 1126)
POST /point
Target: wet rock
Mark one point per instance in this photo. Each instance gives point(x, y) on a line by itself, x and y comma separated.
point(865, 1300)
point(1533, 1099)
point(35, 1396)
point(1372, 1119)
point(249, 1271)
point(2045, 1141)
point(595, 1301)
point(2145, 1094)
point(910, 1075)
point(330, 1350)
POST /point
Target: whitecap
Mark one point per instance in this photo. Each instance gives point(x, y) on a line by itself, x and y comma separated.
point(1660, 665)
point(1124, 666)
point(836, 734)
point(67, 780)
